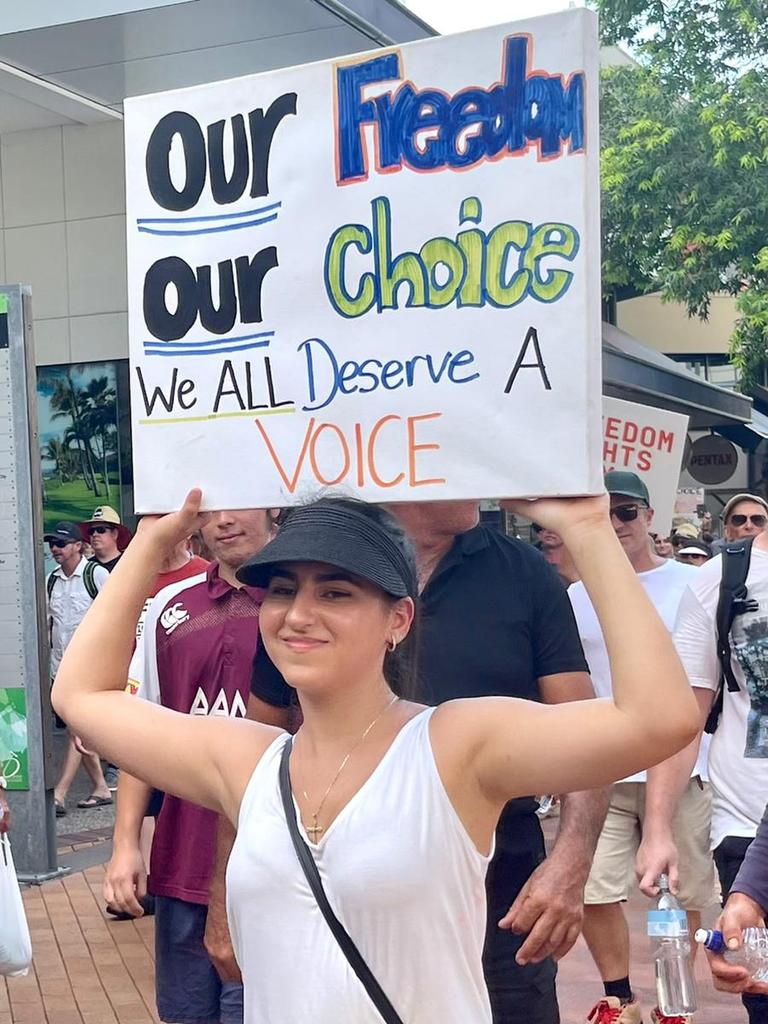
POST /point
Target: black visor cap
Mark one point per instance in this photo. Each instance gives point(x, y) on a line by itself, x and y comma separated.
point(337, 536)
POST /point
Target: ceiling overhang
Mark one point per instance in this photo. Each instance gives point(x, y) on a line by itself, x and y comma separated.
point(141, 46)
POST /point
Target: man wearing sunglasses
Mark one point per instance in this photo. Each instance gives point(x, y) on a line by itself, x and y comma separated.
point(106, 535)
point(608, 886)
point(745, 515)
point(108, 538)
point(71, 589)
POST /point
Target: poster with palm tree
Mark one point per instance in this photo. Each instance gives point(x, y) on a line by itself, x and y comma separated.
point(79, 441)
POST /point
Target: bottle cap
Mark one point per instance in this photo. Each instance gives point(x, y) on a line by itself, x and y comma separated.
point(709, 939)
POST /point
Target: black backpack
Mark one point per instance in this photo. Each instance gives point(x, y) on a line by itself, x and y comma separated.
point(88, 581)
point(732, 601)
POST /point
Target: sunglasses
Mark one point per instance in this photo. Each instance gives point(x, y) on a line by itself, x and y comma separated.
point(739, 520)
point(626, 513)
point(98, 529)
point(59, 543)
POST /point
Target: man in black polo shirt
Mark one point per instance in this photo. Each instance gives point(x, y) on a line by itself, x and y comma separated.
point(495, 620)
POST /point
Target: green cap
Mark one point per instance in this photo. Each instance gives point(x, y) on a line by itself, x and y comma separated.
point(628, 485)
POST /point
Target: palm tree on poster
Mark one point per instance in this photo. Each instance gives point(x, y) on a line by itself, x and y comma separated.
point(98, 405)
point(56, 452)
point(65, 403)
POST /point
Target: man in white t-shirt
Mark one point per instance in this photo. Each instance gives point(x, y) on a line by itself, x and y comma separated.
point(605, 926)
point(738, 759)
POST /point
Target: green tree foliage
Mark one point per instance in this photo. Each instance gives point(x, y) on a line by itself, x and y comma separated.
point(685, 160)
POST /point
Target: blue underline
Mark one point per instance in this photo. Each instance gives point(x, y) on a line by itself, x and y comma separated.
point(206, 351)
point(208, 342)
point(216, 216)
point(210, 231)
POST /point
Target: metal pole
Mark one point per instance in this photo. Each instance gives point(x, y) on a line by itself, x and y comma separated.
point(26, 757)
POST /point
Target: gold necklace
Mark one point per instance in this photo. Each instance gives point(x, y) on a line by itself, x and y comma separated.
point(315, 830)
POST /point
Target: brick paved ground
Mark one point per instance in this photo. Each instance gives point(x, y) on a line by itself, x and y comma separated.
point(87, 970)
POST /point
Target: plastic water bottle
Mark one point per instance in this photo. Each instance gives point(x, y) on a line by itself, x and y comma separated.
point(753, 953)
point(668, 925)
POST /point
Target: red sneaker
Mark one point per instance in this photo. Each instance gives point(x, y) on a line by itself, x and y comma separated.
point(611, 1010)
point(657, 1017)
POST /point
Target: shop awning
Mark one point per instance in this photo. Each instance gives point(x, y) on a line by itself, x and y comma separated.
point(747, 435)
point(640, 374)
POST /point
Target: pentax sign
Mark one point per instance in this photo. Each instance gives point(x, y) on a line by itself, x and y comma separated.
point(378, 274)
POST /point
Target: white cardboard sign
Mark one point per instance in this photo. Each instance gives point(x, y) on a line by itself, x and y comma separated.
point(378, 274)
point(649, 442)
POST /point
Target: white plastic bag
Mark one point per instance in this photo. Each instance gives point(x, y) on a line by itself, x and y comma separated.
point(15, 943)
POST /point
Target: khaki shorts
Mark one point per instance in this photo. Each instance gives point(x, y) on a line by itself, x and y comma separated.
point(612, 877)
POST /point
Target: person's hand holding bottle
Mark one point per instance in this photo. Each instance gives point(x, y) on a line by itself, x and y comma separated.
point(740, 912)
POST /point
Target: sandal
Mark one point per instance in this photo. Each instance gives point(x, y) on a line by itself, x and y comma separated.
point(95, 801)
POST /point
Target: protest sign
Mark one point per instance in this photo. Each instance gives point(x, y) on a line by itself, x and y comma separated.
point(649, 442)
point(378, 274)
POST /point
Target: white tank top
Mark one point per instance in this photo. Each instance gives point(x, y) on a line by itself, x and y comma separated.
point(400, 872)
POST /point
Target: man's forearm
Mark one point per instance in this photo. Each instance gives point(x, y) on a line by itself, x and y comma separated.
point(225, 840)
point(217, 938)
point(132, 802)
point(582, 816)
point(665, 786)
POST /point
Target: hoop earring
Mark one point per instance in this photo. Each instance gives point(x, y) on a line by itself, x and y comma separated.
point(391, 645)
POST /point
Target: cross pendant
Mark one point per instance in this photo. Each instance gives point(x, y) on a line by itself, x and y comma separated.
point(315, 831)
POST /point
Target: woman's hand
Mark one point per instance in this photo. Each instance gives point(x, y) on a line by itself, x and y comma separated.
point(563, 515)
point(169, 530)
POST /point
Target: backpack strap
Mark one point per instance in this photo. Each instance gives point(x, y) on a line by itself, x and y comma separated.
point(50, 583)
point(89, 580)
point(732, 601)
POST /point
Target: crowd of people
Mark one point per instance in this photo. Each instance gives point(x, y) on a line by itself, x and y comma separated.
point(344, 626)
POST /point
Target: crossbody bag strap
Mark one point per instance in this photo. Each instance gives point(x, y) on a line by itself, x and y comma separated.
point(307, 861)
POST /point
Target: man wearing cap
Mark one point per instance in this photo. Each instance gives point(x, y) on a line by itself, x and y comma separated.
point(496, 621)
point(738, 759)
point(106, 535)
point(605, 926)
point(108, 538)
point(745, 515)
point(71, 588)
point(693, 552)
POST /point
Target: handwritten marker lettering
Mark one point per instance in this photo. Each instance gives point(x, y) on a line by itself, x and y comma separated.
point(378, 272)
point(526, 108)
point(499, 269)
point(330, 460)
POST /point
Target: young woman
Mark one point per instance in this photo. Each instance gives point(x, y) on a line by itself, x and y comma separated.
point(398, 803)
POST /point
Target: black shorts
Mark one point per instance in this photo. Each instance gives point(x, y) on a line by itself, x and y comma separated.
point(517, 993)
